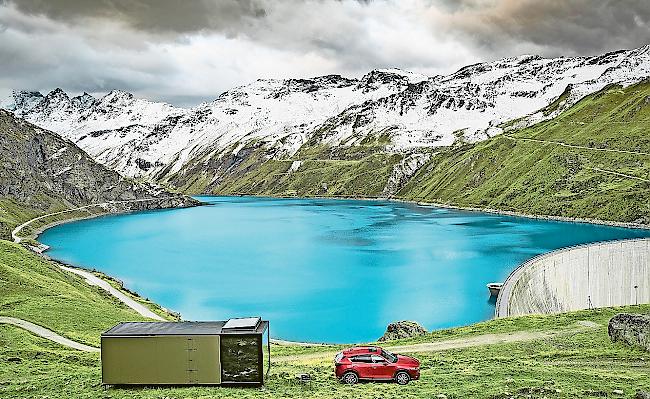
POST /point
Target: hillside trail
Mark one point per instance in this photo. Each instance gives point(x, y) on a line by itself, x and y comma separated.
point(47, 334)
point(460, 343)
point(582, 147)
point(576, 146)
point(15, 232)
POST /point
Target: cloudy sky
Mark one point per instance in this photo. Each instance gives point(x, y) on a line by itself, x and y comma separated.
point(185, 52)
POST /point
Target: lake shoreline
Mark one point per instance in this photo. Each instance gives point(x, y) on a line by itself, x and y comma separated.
point(613, 223)
point(102, 209)
point(43, 248)
point(630, 225)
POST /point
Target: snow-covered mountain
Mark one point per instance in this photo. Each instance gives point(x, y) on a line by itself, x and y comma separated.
point(143, 138)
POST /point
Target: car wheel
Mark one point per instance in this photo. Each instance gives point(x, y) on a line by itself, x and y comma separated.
point(402, 377)
point(350, 378)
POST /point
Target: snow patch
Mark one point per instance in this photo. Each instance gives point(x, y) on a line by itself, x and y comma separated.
point(294, 166)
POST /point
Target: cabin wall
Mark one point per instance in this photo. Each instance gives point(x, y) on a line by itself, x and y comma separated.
point(159, 360)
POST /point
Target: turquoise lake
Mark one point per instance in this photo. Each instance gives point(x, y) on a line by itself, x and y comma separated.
point(320, 270)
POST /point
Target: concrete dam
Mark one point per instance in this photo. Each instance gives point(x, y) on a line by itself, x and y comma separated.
point(611, 273)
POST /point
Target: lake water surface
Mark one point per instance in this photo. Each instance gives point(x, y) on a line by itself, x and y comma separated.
point(319, 270)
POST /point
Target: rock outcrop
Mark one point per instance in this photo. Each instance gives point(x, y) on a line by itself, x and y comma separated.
point(632, 329)
point(402, 329)
point(403, 171)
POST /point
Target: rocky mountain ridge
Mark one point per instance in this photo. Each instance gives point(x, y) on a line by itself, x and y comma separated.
point(276, 118)
point(43, 173)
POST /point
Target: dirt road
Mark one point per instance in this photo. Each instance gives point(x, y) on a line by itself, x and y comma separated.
point(47, 334)
point(479, 340)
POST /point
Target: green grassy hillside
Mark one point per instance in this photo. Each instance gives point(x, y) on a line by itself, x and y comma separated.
point(592, 161)
point(569, 361)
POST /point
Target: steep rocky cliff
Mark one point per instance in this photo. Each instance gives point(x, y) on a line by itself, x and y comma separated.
point(41, 173)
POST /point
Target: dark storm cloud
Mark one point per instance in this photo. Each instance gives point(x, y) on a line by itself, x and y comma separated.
point(556, 27)
point(150, 15)
point(186, 51)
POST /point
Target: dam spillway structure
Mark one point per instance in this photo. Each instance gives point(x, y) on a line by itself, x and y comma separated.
point(588, 276)
point(186, 353)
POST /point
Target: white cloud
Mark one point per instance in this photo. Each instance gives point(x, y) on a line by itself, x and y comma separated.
point(187, 55)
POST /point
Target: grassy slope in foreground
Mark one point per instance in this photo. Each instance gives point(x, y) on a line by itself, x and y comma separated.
point(39, 291)
point(527, 171)
point(567, 365)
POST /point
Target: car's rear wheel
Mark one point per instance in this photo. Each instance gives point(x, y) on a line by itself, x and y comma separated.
point(350, 378)
point(402, 377)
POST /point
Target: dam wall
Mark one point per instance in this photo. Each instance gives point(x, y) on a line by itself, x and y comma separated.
point(610, 273)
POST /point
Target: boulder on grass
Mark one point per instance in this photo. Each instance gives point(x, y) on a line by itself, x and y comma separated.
point(642, 395)
point(402, 329)
point(632, 329)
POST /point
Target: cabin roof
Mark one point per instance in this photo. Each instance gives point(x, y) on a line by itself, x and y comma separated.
point(152, 328)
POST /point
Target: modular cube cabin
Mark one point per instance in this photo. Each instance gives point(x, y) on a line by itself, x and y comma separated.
point(185, 353)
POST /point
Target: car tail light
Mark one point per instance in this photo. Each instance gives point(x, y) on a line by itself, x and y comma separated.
point(337, 359)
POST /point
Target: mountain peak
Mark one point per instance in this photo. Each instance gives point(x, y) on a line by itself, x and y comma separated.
point(21, 101)
point(58, 92)
point(376, 78)
point(117, 95)
point(57, 99)
point(388, 74)
point(411, 76)
point(84, 100)
point(521, 59)
point(643, 50)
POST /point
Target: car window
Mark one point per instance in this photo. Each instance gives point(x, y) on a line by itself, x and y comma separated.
point(361, 359)
point(378, 359)
point(390, 356)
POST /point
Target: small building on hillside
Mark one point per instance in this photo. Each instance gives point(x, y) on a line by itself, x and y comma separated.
point(186, 353)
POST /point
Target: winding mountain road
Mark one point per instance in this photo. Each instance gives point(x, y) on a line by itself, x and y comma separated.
point(613, 172)
point(89, 277)
point(582, 147)
point(15, 232)
point(128, 301)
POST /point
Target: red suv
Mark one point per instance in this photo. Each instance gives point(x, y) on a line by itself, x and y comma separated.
point(374, 363)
